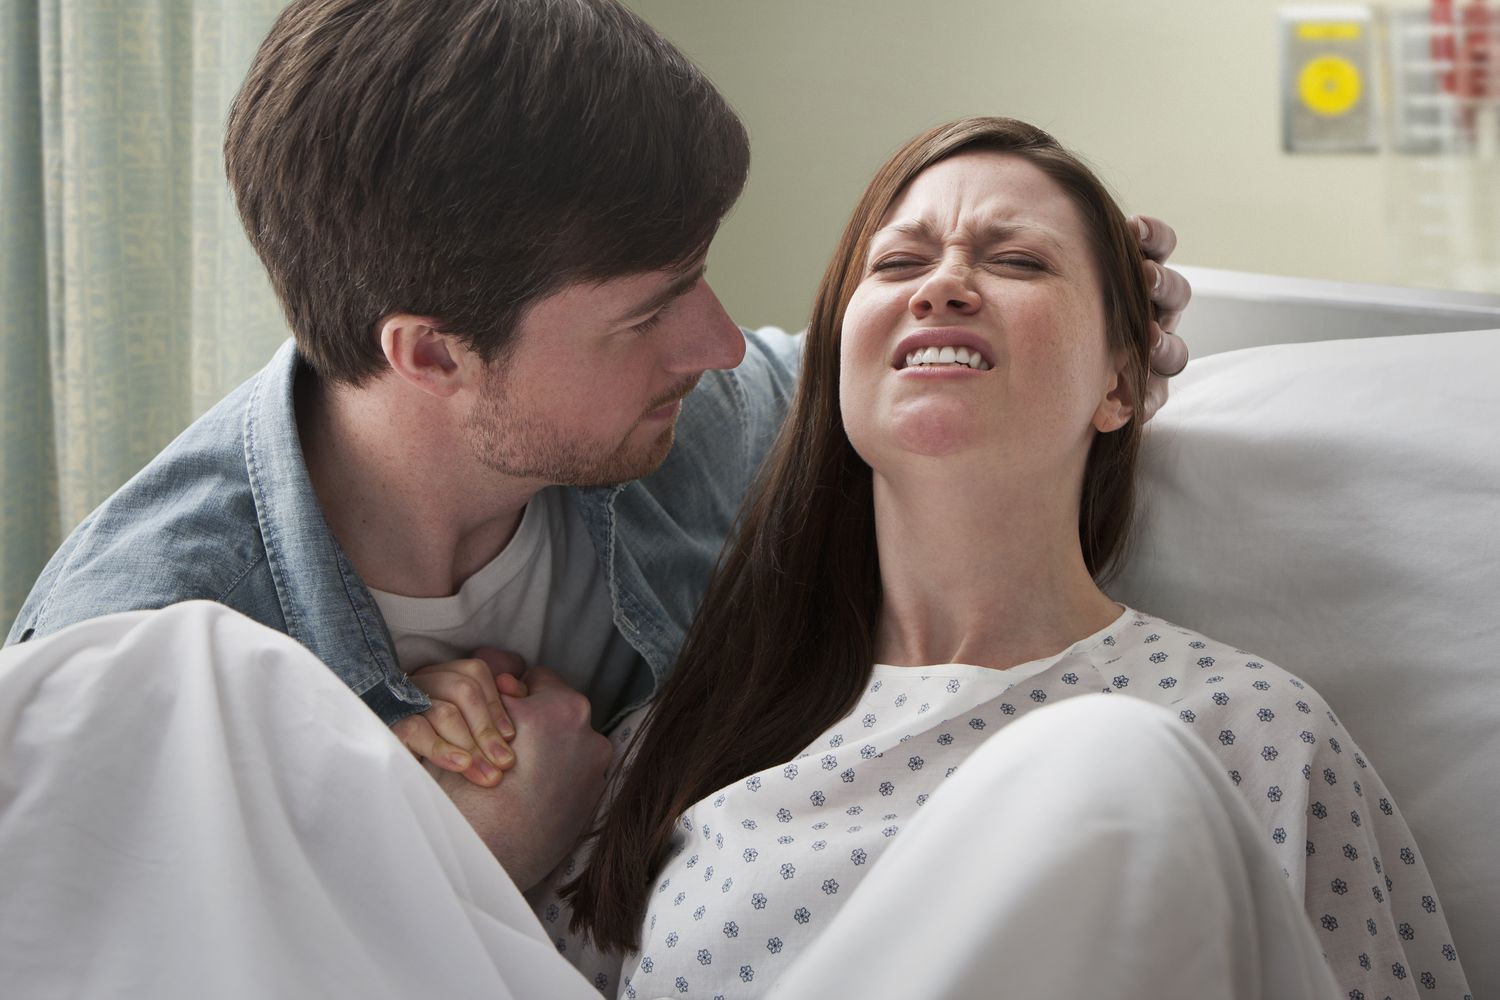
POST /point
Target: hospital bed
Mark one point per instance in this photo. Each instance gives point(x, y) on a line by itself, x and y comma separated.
point(1324, 488)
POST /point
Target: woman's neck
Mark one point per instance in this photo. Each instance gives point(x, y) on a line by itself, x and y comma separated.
point(976, 573)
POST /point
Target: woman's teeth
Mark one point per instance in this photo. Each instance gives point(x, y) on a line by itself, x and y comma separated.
point(947, 356)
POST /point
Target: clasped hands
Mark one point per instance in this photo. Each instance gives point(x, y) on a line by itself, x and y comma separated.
point(492, 718)
point(468, 730)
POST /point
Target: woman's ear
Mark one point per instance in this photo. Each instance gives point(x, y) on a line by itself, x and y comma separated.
point(421, 355)
point(1118, 405)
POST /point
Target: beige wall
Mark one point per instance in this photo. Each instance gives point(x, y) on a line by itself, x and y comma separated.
point(1176, 102)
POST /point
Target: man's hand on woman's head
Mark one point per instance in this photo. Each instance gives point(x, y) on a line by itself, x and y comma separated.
point(467, 730)
point(1170, 293)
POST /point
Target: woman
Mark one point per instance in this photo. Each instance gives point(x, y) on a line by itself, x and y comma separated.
point(919, 569)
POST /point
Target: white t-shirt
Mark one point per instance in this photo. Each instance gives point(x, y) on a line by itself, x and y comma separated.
point(759, 867)
point(542, 597)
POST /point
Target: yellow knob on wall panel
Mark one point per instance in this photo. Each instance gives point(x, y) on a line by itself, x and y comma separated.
point(1330, 85)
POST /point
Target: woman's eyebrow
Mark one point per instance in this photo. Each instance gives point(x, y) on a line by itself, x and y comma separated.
point(998, 232)
point(993, 231)
point(917, 228)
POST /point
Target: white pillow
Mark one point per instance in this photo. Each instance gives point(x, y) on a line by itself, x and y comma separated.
point(1335, 507)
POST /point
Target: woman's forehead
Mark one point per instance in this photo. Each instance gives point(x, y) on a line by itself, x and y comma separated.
point(982, 191)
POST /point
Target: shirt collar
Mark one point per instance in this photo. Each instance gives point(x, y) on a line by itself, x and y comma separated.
point(324, 604)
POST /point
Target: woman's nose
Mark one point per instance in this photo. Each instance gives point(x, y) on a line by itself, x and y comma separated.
point(950, 288)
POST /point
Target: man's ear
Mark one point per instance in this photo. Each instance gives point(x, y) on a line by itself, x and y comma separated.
point(423, 356)
point(1118, 404)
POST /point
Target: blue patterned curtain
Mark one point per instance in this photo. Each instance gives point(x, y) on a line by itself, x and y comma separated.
point(129, 299)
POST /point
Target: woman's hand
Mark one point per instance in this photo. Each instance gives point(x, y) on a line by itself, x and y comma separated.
point(1170, 293)
point(467, 730)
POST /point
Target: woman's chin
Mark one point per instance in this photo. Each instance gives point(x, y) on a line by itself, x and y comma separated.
point(931, 432)
point(885, 435)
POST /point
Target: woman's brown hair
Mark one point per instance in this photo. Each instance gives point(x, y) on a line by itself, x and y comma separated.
point(784, 640)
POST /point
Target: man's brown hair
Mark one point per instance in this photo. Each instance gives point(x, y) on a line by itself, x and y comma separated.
point(460, 159)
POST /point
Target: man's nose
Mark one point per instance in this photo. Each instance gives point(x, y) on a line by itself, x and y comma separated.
point(949, 288)
point(706, 337)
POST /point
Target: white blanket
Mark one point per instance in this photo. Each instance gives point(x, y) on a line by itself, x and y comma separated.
point(237, 826)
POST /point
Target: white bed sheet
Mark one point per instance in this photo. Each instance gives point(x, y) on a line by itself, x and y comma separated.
point(224, 825)
point(1335, 507)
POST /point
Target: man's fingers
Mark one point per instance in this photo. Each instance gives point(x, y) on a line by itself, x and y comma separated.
point(512, 685)
point(474, 668)
point(479, 771)
point(536, 677)
point(1170, 293)
point(479, 697)
point(505, 728)
point(501, 662)
point(1158, 239)
point(468, 712)
point(506, 667)
point(418, 736)
point(484, 774)
point(1169, 354)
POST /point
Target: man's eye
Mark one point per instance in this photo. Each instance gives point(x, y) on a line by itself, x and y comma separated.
point(649, 323)
point(1030, 263)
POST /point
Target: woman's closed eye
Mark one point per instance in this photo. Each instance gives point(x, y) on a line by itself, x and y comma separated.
point(1017, 261)
point(896, 264)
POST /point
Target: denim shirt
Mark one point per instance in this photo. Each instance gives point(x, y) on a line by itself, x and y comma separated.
point(227, 513)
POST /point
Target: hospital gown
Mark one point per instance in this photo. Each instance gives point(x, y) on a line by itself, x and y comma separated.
point(759, 867)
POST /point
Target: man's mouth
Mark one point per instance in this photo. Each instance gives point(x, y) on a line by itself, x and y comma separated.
point(667, 405)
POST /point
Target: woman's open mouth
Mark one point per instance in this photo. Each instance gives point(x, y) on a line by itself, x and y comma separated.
point(945, 356)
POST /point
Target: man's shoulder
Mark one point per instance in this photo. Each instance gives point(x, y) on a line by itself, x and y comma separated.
point(734, 414)
point(183, 528)
point(767, 376)
point(726, 427)
point(658, 537)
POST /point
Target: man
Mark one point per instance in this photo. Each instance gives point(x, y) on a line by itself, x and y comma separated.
point(487, 224)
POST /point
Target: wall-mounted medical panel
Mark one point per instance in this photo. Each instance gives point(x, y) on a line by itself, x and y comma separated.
point(1329, 79)
point(1445, 78)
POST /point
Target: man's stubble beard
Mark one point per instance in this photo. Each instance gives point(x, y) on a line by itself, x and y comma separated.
point(515, 443)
